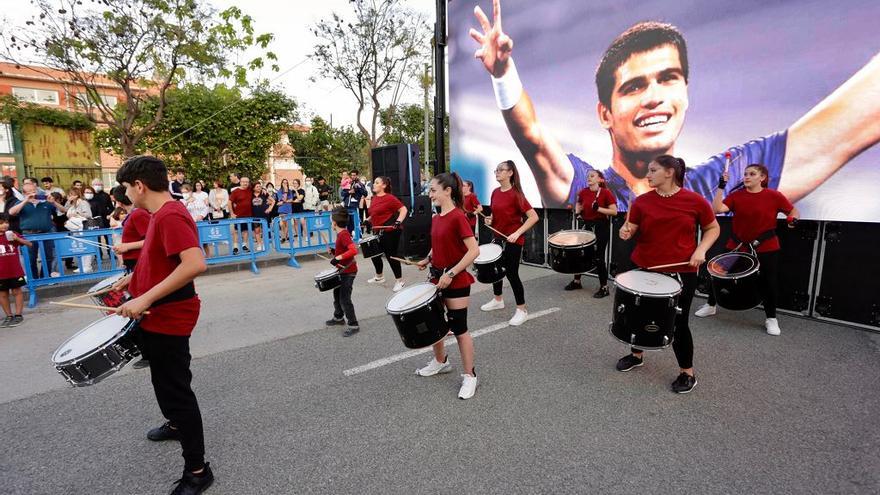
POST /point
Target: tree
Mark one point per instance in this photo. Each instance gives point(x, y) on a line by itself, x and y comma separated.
point(212, 132)
point(328, 151)
point(144, 47)
point(407, 125)
point(375, 56)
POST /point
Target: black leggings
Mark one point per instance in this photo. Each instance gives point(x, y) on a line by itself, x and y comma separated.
point(769, 282)
point(389, 241)
point(602, 229)
point(683, 342)
point(512, 255)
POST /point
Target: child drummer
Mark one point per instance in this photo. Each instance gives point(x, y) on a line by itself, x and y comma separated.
point(11, 273)
point(344, 254)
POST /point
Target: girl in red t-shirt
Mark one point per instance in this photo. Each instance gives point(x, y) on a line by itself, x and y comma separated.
point(471, 206)
point(509, 206)
point(596, 205)
point(754, 211)
point(453, 249)
point(666, 220)
point(386, 210)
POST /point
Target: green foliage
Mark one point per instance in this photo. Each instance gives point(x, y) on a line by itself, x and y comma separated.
point(327, 151)
point(18, 112)
point(406, 124)
point(212, 132)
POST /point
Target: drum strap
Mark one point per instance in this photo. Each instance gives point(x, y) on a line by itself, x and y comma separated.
point(764, 236)
point(188, 291)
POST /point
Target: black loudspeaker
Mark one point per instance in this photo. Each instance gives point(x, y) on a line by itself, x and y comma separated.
point(399, 162)
point(533, 249)
point(620, 250)
point(849, 276)
point(416, 239)
point(558, 220)
point(797, 259)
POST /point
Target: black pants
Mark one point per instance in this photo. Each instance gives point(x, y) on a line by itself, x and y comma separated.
point(342, 305)
point(512, 256)
point(683, 341)
point(602, 229)
point(389, 241)
point(769, 283)
point(169, 370)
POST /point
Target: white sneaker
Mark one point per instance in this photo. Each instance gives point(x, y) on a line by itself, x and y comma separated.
point(519, 317)
point(397, 286)
point(468, 386)
point(772, 326)
point(705, 310)
point(493, 305)
point(376, 280)
point(434, 367)
point(54, 274)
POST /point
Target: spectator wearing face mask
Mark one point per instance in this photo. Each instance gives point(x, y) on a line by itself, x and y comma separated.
point(101, 203)
point(312, 196)
point(197, 208)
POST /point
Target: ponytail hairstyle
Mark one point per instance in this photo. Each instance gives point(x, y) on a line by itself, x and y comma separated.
point(452, 181)
point(762, 169)
point(470, 185)
point(386, 181)
point(601, 176)
point(676, 164)
point(514, 180)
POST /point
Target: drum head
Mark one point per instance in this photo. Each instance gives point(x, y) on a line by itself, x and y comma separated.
point(326, 273)
point(90, 338)
point(572, 238)
point(368, 238)
point(489, 252)
point(103, 284)
point(732, 265)
point(648, 283)
point(403, 301)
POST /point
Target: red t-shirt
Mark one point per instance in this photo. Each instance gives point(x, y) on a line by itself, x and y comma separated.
point(171, 231)
point(382, 208)
point(668, 228)
point(242, 202)
point(508, 209)
point(10, 263)
point(586, 198)
point(448, 233)
point(134, 229)
point(754, 214)
point(471, 202)
point(347, 250)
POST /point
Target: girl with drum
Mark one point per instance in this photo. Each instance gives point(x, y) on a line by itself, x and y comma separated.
point(754, 209)
point(666, 221)
point(384, 207)
point(509, 206)
point(453, 249)
point(596, 205)
point(471, 206)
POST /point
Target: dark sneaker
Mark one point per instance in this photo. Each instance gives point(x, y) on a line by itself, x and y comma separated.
point(351, 331)
point(164, 432)
point(335, 321)
point(574, 285)
point(602, 292)
point(143, 363)
point(245, 249)
point(629, 362)
point(193, 484)
point(234, 251)
point(16, 321)
point(6, 321)
point(684, 383)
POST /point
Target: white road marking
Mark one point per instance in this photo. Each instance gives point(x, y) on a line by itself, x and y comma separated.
point(449, 342)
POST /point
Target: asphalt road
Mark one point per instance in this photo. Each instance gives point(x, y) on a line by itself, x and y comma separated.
point(291, 407)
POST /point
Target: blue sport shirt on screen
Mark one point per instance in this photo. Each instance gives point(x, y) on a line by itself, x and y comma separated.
point(702, 179)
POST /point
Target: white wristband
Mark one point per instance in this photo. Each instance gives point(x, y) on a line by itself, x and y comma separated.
point(508, 88)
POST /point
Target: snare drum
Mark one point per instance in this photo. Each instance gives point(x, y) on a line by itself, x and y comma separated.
point(489, 265)
point(418, 314)
point(112, 299)
point(572, 251)
point(371, 246)
point(328, 279)
point(97, 351)
point(736, 280)
point(645, 306)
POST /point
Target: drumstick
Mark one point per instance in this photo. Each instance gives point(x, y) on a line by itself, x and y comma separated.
point(87, 294)
point(88, 306)
point(726, 161)
point(492, 229)
point(404, 261)
point(86, 241)
point(384, 227)
point(322, 257)
point(667, 265)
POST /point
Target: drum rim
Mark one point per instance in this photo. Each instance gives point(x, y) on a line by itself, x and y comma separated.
point(98, 287)
point(430, 299)
point(368, 238)
point(640, 347)
point(329, 274)
point(112, 340)
point(755, 267)
point(574, 246)
point(635, 292)
point(477, 261)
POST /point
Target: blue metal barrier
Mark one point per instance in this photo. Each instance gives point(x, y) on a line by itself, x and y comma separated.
point(81, 246)
point(315, 236)
point(217, 234)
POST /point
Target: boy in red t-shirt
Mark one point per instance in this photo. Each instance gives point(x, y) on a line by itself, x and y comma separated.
point(11, 273)
point(162, 283)
point(344, 258)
